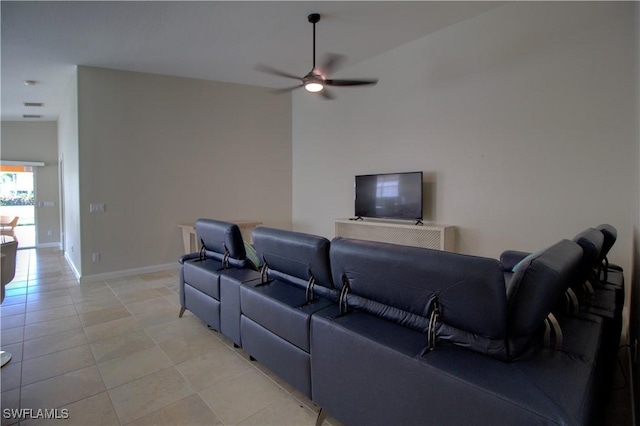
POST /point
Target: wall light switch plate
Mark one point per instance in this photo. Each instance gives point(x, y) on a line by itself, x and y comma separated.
point(96, 208)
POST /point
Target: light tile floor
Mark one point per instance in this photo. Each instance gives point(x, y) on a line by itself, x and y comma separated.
point(115, 352)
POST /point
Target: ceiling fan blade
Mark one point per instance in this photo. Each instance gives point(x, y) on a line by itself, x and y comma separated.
point(331, 63)
point(286, 89)
point(350, 82)
point(273, 71)
point(327, 94)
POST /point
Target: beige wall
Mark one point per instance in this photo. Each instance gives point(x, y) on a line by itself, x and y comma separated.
point(524, 120)
point(159, 151)
point(37, 141)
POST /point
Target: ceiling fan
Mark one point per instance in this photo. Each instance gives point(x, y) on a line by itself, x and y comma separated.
point(316, 80)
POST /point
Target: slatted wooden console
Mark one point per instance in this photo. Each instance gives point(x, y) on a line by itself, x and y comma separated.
point(433, 236)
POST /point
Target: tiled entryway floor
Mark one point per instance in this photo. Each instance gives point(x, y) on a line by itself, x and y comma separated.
point(115, 352)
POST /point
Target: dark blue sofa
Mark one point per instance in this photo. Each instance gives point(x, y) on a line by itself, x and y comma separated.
point(377, 333)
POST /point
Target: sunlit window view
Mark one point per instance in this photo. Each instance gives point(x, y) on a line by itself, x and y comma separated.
point(17, 205)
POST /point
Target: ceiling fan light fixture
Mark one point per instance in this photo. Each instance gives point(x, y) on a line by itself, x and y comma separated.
point(313, 87)
point(316, 80)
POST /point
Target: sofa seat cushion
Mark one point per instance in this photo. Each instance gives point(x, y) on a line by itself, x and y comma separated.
point(447, 386)
point(281, 308)
point(203, 275)
point(555, 385)
point(582, 335)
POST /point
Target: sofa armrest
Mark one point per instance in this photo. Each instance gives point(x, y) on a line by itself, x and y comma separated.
point(189, 256)
point(510, 258)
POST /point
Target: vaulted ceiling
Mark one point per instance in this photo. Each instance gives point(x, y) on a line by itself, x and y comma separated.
point(213, 40)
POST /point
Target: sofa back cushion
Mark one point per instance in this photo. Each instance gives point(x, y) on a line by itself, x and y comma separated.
point(219, 238)
point(591, 241)
point(610, 235)
point(294, 257)
point(535, 288)
point(404, 284)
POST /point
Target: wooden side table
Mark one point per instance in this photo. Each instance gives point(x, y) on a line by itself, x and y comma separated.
point(189, 230)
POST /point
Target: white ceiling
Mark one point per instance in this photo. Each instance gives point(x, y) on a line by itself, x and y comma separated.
point(212, 40)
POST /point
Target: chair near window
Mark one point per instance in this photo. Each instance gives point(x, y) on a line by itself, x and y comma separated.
point(8, 227)
point(9, 251)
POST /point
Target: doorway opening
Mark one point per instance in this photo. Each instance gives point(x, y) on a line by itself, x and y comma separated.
point(17, 199)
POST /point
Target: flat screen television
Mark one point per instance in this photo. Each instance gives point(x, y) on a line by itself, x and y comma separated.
point(389, 196)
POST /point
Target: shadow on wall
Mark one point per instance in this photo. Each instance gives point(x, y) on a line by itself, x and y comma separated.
point(429, 196)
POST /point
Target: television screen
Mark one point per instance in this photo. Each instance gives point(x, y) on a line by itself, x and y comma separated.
point(389, 196)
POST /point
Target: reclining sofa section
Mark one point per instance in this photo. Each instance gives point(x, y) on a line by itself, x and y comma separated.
point(222, 253)
point(276, 313)
point(428, 337)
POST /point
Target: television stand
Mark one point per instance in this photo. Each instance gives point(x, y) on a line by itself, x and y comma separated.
point(356, 218)
point(433, 236)
point(419, 222)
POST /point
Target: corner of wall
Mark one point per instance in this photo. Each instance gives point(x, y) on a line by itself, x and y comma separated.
point(68, 152)
point(636, 252)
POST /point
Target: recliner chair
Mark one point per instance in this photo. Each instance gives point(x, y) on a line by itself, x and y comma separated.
point(276, 314)
point(222, 249)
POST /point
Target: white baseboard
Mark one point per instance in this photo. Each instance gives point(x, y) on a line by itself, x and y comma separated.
point(72, 266)
point(49, 245)
point(117, 274)
point(127, 272)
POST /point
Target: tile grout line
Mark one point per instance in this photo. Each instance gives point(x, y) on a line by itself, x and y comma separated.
point(213, 334)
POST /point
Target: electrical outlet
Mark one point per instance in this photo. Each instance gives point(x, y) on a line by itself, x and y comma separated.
point(96, 208)
point(95, 257)
point(50, 233)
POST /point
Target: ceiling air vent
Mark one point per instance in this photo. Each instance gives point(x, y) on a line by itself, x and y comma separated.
point(33, 104)
point(31, 115)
